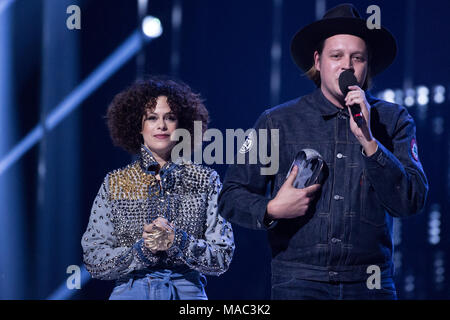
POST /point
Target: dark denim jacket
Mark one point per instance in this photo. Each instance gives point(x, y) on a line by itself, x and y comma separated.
point(350, 226)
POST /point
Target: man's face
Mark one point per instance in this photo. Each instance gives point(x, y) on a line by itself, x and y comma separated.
point(341, 52)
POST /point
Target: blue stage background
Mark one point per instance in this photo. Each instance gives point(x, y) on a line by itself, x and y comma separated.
point(236, 54)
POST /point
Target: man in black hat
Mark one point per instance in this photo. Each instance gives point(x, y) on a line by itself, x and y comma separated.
point(333, 240)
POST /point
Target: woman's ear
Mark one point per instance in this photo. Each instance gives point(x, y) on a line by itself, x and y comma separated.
point(142, 124)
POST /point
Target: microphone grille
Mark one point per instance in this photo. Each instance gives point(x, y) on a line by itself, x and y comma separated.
point(347, 78)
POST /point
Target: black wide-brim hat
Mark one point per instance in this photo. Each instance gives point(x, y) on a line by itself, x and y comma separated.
point(343, 19)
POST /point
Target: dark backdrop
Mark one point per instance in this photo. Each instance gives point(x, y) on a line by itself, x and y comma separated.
point(225, 54)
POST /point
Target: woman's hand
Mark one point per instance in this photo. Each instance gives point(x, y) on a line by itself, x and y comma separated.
point(158, 235)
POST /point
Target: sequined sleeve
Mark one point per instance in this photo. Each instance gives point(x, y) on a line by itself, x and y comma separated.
point(104, 258)
point(211, 255)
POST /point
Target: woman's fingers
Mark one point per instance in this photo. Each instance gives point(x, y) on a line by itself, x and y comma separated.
point(163, 223)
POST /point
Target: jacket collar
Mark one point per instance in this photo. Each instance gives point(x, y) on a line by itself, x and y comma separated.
point(328, 109)
point(148, 162)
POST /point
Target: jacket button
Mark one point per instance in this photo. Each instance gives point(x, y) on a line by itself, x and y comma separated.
point(335, 240)
point(339, 155)
point(337, 197)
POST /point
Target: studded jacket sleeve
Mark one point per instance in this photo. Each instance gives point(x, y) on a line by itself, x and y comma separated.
point(103, 256)
point(211, 255)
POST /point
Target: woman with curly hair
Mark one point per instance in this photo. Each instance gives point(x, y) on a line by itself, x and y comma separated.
point(154, 226)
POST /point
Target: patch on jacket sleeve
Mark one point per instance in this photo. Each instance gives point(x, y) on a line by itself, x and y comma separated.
point(414, 150)
point(248, 144)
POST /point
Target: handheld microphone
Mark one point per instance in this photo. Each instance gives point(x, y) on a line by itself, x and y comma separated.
point(346, 79)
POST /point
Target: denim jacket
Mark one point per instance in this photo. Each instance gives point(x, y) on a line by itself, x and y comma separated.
point(350, 226)
point(113, 247)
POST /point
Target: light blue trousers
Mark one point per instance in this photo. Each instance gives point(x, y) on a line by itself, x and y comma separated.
point(162, 284)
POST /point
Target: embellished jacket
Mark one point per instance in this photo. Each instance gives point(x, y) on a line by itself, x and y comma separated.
point(130, 197)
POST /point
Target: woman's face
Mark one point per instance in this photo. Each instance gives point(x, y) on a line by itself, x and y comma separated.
point(157, 126)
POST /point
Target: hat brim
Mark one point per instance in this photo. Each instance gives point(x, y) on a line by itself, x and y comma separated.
point(383, 47)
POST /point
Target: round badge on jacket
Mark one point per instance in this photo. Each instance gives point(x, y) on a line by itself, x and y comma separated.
point(248, 144)
point(414, 151)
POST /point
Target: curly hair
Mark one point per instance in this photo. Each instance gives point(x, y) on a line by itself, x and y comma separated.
point(124, 115)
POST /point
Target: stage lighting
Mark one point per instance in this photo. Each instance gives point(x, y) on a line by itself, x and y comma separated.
point(112, 63)
point(438, 94)
point(409, 99)
point(422, 90)
point(397, 228)
point(389, 95)
point(398, 96)
point(439, 268)
point(422, 95)
point(409, 283)
point(152, 27)
point(434, 224)
point(438, 125)
point(422, 100)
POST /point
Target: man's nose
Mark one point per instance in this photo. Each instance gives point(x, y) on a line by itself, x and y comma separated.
point(348, 63)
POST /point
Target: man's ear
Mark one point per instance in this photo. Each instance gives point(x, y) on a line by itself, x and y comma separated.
point(317, 60)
